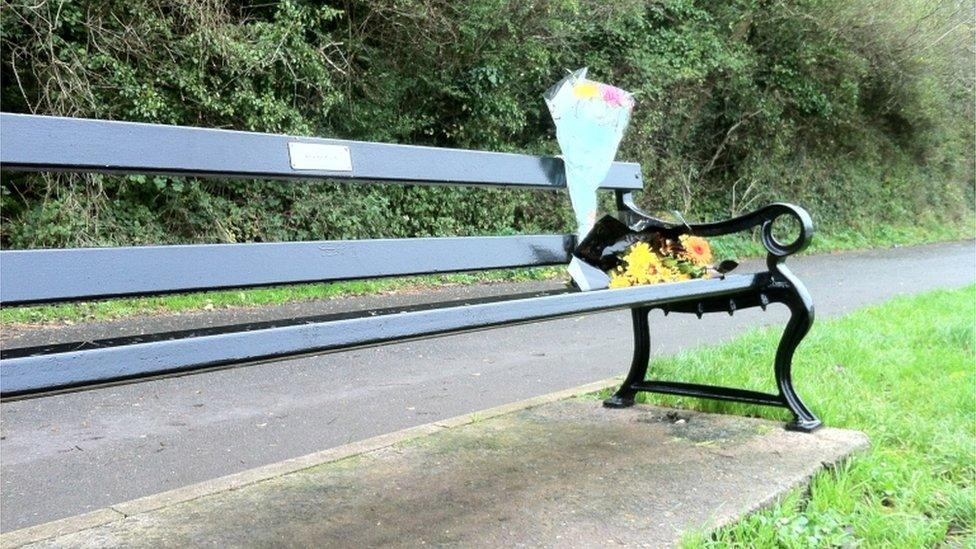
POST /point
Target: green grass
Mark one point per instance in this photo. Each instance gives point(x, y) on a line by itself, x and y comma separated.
point(905, 374)
point(725, 247)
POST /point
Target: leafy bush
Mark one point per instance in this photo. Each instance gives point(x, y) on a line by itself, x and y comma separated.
point(861, 111)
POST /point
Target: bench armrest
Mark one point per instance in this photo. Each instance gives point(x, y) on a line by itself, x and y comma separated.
point(764, 218)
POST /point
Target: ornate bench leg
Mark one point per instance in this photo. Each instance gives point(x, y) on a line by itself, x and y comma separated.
point(624, 397)
point(801, 319)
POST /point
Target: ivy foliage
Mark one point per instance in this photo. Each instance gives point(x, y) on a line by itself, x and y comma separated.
point(859, 110)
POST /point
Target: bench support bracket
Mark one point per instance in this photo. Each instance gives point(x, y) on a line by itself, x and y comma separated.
point(801, 320)
point(781, 286)
point(624, 397)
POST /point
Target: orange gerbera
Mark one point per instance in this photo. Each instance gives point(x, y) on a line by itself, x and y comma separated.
point(697, 249)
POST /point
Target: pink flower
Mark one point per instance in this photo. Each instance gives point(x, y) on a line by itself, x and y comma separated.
point(615, 96)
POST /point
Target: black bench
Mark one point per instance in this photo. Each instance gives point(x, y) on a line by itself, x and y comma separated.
point(38, 143)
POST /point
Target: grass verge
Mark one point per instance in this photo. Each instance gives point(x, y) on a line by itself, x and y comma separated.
point(903, 372)
point(737, 246)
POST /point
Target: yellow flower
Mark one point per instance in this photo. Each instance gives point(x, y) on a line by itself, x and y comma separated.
point(697, 249)
point(669, 275)
point(641, 263)
point(584, 89)
point(619, 280)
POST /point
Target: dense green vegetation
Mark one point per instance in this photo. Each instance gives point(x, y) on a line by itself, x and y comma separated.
point(901, 372)
point(859, 110)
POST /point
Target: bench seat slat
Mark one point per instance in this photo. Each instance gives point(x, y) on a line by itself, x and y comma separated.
point(31, 276)
point(43, 372)
point(47, 143)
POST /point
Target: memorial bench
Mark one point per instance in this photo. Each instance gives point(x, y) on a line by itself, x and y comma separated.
point(53, 144)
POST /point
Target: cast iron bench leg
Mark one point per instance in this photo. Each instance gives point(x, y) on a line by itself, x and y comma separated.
point(801, 310)
point(781, 287)
point(624, 397)
point(787, 290)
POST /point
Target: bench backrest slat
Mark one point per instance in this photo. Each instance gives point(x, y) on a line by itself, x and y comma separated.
point(45, 143)
point(30, 276)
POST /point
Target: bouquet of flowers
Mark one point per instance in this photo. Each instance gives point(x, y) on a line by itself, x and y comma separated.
point(662, 260)
point(590, 119)
point(633, 258)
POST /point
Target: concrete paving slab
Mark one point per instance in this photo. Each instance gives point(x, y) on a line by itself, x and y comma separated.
point(565, 473)
point(78, 452)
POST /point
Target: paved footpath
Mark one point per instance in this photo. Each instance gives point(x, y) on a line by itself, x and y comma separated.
point(72, 453)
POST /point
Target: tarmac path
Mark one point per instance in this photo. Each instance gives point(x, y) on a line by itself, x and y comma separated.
point(71, 453)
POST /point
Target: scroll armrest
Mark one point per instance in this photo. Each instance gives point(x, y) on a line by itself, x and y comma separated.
point(763, 217)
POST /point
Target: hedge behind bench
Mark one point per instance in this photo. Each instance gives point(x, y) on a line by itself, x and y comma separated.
point(850, 108)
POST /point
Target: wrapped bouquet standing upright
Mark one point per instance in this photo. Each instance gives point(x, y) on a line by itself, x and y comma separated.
point(590, 119)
